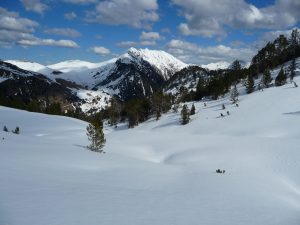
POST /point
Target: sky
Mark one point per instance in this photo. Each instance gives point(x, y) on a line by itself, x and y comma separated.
point(195, 31)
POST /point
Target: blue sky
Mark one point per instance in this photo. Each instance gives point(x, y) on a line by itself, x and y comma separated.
point(196, 31)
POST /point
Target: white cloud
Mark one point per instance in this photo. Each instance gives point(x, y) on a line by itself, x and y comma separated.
point(68, 32)
point(70, 15)
point(11, 21)
point(35, 6)
point(81, 2)
point(134, 13)
point(150, 36)
point(147, 43)
point(192, 53)
point(49, 42)
point(126, 44)
point(16, 30)
point(146, 39)
point(100, 50)
point(209, 18)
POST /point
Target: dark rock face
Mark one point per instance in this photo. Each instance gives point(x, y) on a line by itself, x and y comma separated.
point(132, 80)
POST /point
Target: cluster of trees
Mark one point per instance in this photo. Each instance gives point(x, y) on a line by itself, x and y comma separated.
point(186, 113)
point(275, 53)
point(15, 131)
point(137, 110)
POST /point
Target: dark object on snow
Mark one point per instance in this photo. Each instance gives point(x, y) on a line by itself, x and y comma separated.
point(228, 113)
point(220, 171)
point(204, 104)
point(237, 105)
point(16, 131)
point(223, 107)
point(222, 115)
point(295, 84)
point(5, 129)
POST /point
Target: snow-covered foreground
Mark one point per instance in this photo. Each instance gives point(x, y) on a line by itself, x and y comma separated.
point(159, 173)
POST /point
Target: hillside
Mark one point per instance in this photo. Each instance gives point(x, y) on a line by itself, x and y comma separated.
point(160, 172)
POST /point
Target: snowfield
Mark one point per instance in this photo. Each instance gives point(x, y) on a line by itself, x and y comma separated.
point(159, 173)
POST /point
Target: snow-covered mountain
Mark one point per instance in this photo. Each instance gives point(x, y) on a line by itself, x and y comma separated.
point(163, 62)
point(136, 73)
point(34, 67)
point(160, 172)
point(216, 65)
point(74, 65)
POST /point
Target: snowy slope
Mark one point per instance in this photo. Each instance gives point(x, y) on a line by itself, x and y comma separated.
point(164, 62)
point(33, 66)
point(74, 65)
point(160, 172)
point(216, 65)
point(93, 101)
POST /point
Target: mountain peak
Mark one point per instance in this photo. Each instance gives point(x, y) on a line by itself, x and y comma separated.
point(165, 63)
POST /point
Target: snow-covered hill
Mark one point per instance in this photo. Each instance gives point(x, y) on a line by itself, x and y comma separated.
point(165, 63)
point(136, 73)
point(74, 65)
point(216, 66)
point(159, 172)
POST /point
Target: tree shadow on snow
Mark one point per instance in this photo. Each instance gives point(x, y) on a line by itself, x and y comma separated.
point(292, 113)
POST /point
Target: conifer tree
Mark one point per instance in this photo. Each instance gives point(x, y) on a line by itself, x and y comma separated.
point(17, 130)
point(266, 78)
point(96, 137)
point(193, 110)
point(281, 78)
point(185, 115)
point(234, 95)
point(5, 129)
point(292, 69)
point(249, 84)
point(158, 113)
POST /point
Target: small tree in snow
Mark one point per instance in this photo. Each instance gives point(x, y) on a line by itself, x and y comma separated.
point(96, 137)
point(5, 129)
point(16, 131)
point(158, 114)
point(234, 94)
point(193, 110)
point(266, 79)
point(281, 78)
point(185, 115)
point(249, 84)
point(292, 69)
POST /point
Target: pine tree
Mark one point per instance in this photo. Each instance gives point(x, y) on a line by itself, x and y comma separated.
point(281, 78)
point(266, 79)
point(5, 129)
point(17, 130)
point(158, 113)
point(185, 115)
point(234, 95)
point(292, 69)
point(96, 137)
point(193, 110)
point(249, 84)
